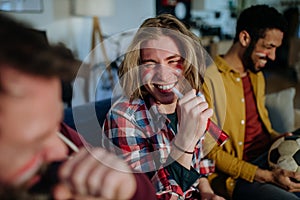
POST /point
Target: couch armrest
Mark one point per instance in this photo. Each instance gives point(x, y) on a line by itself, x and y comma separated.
point(297, 118)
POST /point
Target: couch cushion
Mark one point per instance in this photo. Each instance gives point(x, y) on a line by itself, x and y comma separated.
point(88, 119)
point(280, 106)
point(297, 118)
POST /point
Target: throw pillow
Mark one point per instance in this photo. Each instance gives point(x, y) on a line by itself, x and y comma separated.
point(280, 106)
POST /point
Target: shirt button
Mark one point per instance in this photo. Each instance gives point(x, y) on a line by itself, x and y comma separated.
point(240, 143)
point(238, 79)
point(243, 100)
point(243, 122)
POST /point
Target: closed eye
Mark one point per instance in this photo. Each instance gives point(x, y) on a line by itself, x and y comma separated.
point(149, 63)
point(175, 63)
point(269, 46)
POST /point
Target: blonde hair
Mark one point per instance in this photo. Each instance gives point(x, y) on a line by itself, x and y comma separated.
point(188, 44)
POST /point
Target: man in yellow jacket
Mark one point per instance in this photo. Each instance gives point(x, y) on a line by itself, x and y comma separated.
point(235, 88)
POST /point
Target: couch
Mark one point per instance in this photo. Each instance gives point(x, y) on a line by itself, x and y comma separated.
point(283, 115)
point(87, 119)
point(297, 118)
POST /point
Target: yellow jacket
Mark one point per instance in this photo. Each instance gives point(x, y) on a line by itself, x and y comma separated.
point(224, 92)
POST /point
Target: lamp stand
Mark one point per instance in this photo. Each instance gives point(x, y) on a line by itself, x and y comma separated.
point(97, 31)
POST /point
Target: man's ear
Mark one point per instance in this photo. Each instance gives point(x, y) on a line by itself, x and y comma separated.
point(244, 38)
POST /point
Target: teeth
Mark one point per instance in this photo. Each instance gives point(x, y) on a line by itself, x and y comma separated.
point(261, 54)
point(262, 58)
point(262, 61)
point(166, 87)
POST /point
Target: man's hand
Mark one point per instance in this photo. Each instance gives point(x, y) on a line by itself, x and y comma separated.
point(206, 191)
point(287, 134)
point(284, 178)
point(280, 177)
point(95, 174)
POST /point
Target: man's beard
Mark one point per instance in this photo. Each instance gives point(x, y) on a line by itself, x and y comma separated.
point(40, 191)
point(247, 60)
point(18, 193)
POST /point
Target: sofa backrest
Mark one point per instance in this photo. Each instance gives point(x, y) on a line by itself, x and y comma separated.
point(88, 119)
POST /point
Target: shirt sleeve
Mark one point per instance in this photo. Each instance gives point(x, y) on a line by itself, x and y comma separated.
point(232, 166)
point(184, 177)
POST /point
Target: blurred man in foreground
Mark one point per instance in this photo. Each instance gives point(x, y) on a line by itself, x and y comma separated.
point(30, 119)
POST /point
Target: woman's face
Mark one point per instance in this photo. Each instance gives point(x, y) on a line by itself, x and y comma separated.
point(161, 68)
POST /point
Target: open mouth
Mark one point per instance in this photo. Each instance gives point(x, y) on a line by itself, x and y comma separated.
point(262, 58)
point(165, 88)
point(27, 173)
point(261, 55)
point(262, 62)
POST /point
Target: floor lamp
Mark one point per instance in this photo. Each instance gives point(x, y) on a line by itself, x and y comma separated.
point(96, 9)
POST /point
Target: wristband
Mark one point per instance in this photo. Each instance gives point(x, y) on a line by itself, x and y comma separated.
point(203, 176)
point(182, 150)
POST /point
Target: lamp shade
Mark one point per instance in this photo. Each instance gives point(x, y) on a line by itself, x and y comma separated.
point(94, 7)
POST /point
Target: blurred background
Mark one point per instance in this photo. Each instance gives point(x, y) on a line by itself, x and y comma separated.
point(106, 26)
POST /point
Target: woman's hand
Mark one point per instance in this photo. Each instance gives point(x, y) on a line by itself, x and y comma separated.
point(193, 114)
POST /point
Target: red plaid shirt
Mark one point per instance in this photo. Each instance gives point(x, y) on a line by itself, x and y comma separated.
point(143, 136)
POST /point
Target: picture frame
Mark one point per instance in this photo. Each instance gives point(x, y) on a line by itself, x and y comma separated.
point(26, 6)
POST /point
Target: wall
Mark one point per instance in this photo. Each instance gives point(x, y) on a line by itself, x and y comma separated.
point(206, 10)
point(206, 13)
point(75, 31)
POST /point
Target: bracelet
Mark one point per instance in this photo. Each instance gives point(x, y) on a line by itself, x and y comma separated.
point(182, 150)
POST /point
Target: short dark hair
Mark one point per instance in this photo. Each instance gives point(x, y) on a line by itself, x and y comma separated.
point(27, 50)
point(259, 18)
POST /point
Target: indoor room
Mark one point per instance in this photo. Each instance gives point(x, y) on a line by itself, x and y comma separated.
point(193, 94)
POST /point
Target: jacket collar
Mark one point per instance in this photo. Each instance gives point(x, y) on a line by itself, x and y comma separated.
point(222, 65)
